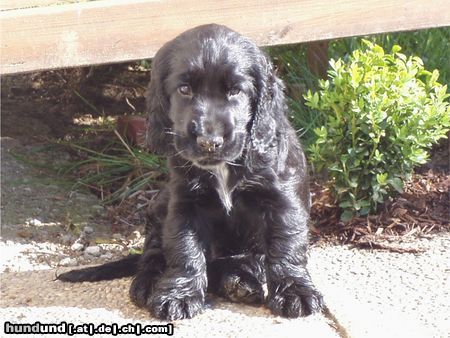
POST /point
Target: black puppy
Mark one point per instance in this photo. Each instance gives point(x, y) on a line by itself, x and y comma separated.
point(234, 215)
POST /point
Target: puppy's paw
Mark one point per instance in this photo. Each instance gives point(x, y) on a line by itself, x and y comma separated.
point(292, 299)
point(171, 306)
point(242, 288)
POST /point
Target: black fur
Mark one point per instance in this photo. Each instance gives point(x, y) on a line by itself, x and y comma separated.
point(234, 215)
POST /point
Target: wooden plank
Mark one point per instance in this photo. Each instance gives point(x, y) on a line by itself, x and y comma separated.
point(112, 31)
point(6, 5)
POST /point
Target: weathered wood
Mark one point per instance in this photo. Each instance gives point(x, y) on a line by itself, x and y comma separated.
point(21, 4)
point(112, 31)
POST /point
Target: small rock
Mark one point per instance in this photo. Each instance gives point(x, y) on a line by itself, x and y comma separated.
point(34, 222)
point(77, 246)
point(93, 250)
point(88, 230)
point(66, 239)
point(136, 234)
point(98, 208)
point(107, 255)
point(68, 262)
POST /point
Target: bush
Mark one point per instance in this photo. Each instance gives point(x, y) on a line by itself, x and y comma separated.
point(430, 44)
point(383, 112)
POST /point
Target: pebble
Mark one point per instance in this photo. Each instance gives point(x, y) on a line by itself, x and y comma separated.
point(107, 255)
point(98, 208)
point(77, 246)
point(93, 250)
point(68, 262)
point(88, 230)
point(136, 234)
point(34, 222)
point(66, 239)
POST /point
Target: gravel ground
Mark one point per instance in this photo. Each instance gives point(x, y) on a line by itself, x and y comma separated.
point(43, 217)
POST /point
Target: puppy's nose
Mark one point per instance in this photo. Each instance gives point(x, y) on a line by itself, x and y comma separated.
point(210, 143)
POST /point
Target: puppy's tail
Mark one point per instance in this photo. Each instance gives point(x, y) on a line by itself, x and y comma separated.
point(124, 267)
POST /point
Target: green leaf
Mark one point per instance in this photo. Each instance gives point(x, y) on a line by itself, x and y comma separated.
point(364, 211)
point(346, 216)
point(396, 49)
point(382, 178)
point(321, 133)
point(346, 204)
point(396, 183)
point(378, 49)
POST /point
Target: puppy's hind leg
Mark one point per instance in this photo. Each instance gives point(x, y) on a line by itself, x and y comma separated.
point(239, 278)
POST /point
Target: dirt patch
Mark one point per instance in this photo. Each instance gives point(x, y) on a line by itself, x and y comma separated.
point(40, 106)
point(42, 211)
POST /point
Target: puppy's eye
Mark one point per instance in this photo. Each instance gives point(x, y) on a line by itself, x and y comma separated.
point(234, 92)
point(185, 90)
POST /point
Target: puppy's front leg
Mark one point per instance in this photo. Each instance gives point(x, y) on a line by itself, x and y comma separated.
point(180, 293)
point(291, 291)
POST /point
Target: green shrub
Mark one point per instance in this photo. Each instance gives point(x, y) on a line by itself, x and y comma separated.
point(430, 44)
point(383, 112)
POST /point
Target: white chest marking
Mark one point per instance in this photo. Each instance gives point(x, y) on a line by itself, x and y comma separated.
point(222, 174)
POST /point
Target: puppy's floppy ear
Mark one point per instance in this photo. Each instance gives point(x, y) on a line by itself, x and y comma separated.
point(158, 138)
point(268, 116)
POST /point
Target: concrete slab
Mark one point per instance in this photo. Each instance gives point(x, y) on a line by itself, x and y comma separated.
point(384, 294)
point(371, 293)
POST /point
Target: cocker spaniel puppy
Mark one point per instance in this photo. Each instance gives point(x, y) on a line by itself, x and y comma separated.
point(233, 218)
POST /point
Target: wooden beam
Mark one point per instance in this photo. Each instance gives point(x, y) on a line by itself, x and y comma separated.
point(21, 4)
point(109, 31)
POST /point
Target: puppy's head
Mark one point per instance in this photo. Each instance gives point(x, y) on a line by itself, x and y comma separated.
point(203, 95)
